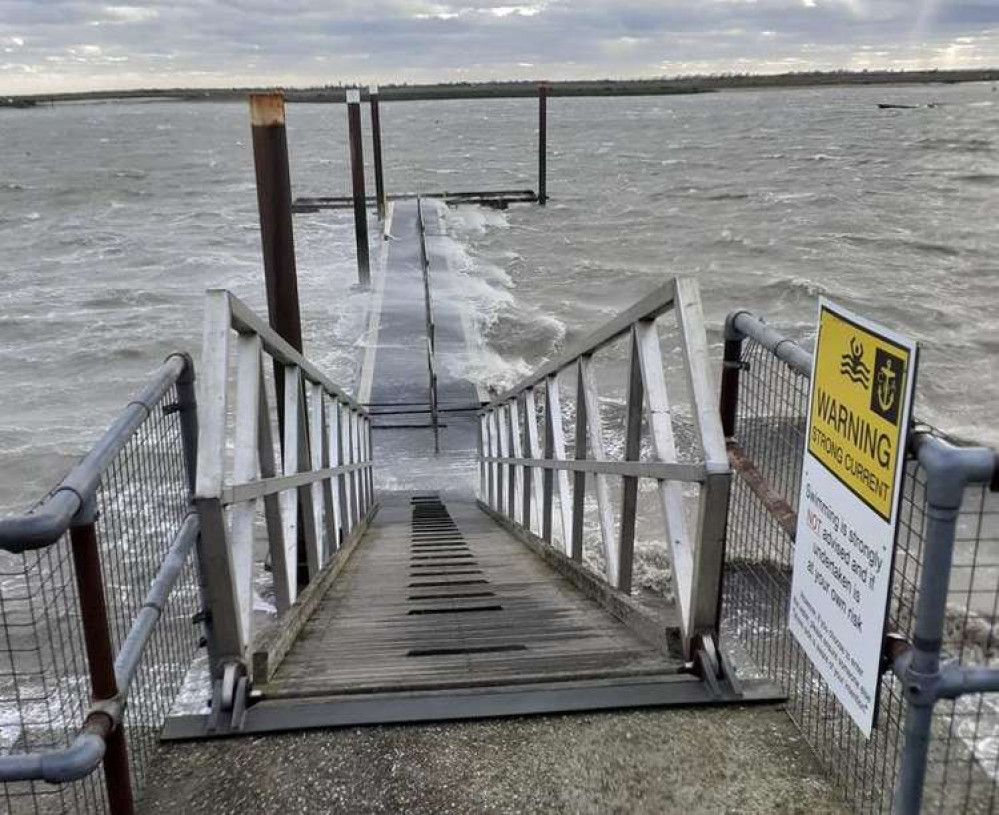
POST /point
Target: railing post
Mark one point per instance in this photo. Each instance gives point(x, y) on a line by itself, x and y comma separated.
point(542, 144)
point(948, 471)
point(357, 184)
point(187, 407)
point(632, 452)
point(376, 139)
point(100, 656)
point(731, 367)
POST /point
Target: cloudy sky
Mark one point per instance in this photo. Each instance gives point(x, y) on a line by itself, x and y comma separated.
point(57, 45)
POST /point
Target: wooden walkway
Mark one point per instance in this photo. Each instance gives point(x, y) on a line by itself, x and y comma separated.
point(441, 597)
point(438, 612)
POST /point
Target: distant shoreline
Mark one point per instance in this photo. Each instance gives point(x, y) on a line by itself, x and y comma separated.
point(499, 90)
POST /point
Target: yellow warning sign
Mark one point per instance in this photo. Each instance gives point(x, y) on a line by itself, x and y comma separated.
point(860, 389)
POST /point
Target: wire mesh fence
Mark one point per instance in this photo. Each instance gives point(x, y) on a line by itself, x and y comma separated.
point(141, 502)
point(769, 447)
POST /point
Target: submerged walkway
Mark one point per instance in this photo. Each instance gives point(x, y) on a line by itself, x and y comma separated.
point(395, 379)
point(441, 614)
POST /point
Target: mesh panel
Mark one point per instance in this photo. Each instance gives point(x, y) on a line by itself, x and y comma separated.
point(963, 756)
point(44, 681)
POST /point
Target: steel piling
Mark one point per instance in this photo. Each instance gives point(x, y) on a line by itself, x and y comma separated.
point(100, 655)
point(376, 139)
point(357, 184)
point(542, 144)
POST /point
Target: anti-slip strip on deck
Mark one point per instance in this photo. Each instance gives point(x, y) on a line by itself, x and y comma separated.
point(438, 546)
point(443, 544)
point(456, 564)
point(434, 583)
point(438, 557)
point(466, 610)
point(435, 536)
point(446, 574)
point(451, 595)
point(482, 649)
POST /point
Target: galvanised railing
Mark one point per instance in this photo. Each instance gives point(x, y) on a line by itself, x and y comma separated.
point(316, 487)
point(933, 744)
point(525, 475)
point(99, 597)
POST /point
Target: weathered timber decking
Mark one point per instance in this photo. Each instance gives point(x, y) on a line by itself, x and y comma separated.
point(445, 605)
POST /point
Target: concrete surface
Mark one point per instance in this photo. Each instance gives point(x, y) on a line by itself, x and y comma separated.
point(709, 760)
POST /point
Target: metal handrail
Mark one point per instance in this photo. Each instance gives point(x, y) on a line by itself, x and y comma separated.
point(318, 494)
point(48, 521)
point(70, 506)
point(521, 484)
point(431, 326)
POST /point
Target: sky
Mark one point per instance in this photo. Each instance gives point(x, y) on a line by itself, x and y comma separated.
point(71, 45)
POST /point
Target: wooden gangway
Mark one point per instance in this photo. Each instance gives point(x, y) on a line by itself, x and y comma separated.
point(445, 570)
point(442, 614)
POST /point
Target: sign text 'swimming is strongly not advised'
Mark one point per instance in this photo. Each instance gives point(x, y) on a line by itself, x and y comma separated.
point(858, 413)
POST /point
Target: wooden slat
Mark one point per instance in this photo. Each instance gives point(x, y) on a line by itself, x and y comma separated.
point(533, 452)
point(506, 470)
point(289, 498)
point(244, 469)
point(692, 473)
point(358, 480)
point(556, 430)
point(322, 494)
point(516, 451)
point(281, 483)
point(214, 552)
point(495, 448)
point(594, 429)
point(340, 482)
point(579, 476)
point(283, 590)
point(345, 458)
point(690, 316)
point(660, 424)
point(310, 532)
point(619, 570)
point(710, 560)
point(480, 441)
point(213, 395)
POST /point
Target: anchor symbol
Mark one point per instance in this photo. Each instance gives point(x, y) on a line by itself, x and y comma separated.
point(887, 388)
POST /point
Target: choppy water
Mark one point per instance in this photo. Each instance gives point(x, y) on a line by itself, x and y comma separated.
point(114, 218)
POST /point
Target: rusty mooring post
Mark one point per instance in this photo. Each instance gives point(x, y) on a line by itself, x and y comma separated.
point(376, 139)
point(270, 159)
point(357, 181)
point(542, 144)
point(100, 654)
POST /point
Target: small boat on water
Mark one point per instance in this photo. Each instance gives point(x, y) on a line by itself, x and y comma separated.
point(891, 106)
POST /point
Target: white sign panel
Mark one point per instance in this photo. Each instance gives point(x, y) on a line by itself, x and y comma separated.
point(860, 398)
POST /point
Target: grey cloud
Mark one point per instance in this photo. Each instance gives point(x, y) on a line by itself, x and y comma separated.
point(53, 44)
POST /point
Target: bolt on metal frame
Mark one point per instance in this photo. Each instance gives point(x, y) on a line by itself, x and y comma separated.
point(324, 476)
point(521, 479)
